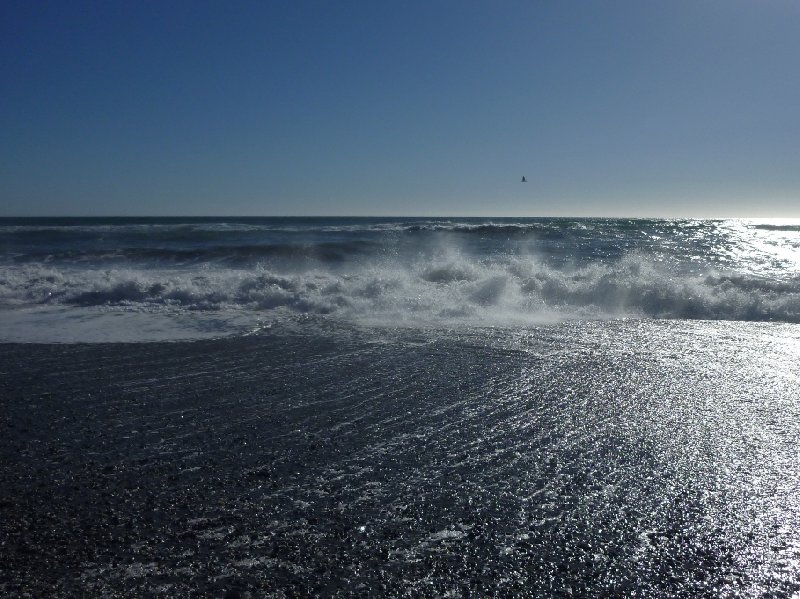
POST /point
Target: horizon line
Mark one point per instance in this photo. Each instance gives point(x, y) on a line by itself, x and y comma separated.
point(390, 216)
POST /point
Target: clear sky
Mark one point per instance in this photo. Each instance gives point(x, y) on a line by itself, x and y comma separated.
point(434, 107)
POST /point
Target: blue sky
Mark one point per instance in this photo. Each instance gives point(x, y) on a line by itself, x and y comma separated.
point(612, 108)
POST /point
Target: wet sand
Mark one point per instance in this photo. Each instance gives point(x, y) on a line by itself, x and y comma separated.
point(419, 465)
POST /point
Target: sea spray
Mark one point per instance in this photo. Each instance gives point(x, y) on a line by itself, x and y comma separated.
point(443, 271)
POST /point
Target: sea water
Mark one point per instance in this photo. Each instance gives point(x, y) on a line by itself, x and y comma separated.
point(160, 278)
point(400, 407)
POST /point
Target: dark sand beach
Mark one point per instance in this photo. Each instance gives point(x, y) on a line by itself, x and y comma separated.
point(595, 459)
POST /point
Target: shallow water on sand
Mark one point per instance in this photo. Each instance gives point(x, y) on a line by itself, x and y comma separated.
point(631, 457)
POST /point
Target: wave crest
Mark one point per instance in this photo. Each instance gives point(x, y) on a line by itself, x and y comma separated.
point(451, 288)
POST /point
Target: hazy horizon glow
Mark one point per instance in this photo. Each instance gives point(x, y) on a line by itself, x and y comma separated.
point(680, 109)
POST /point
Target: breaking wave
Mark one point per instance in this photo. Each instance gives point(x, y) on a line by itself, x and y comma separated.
point(75, 279)
point(448, 288)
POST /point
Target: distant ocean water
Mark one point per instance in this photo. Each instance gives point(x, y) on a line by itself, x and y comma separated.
point(63, 279)
point(347, 407)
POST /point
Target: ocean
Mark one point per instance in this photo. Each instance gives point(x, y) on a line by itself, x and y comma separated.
point(387, 407)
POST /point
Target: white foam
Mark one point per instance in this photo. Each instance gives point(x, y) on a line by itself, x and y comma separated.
point(135, 304)
point(63, 324)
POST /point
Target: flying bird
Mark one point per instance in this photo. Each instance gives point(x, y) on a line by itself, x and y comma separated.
point(524, 180)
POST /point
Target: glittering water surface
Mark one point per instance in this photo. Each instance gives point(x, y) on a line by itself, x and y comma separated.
point(629, 457)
